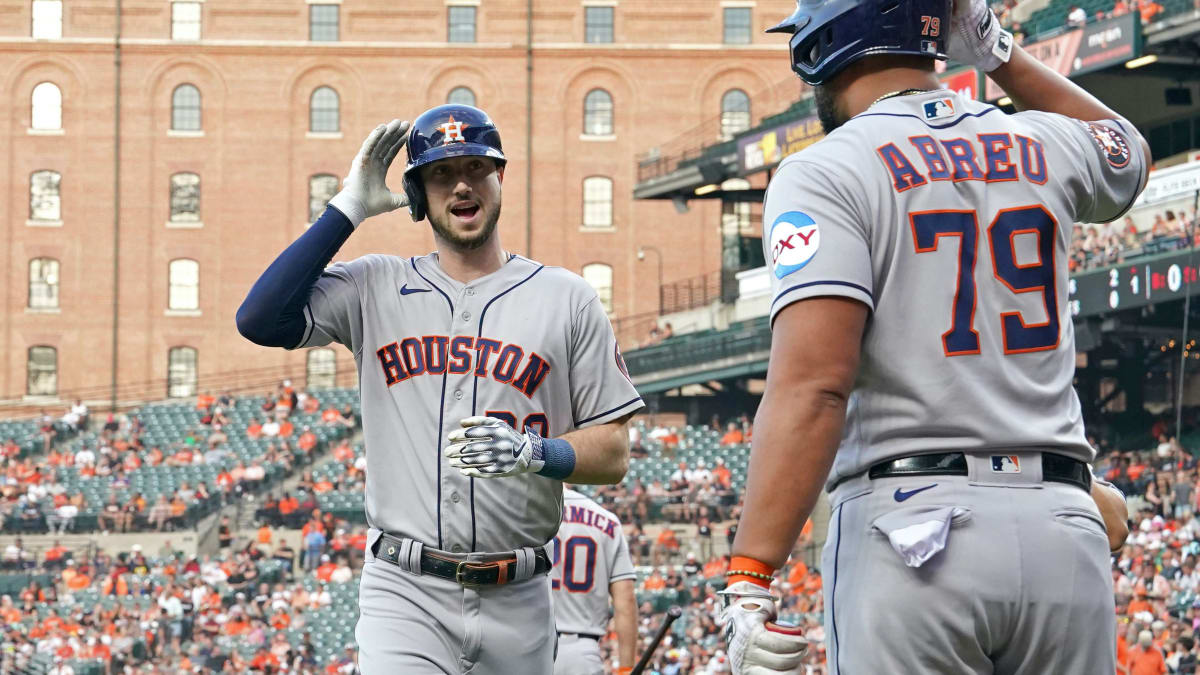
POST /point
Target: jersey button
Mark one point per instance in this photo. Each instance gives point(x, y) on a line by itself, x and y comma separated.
point(466, 316)
point(456, 548)
point(470, 291)
point(458, 394)
point(455, 498)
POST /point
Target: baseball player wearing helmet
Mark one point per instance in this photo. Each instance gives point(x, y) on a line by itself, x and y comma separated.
point(965, 534)
point(591, 568)
point(486, 380)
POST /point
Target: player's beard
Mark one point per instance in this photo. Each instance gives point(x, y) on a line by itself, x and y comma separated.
point(465, 243)
point(827, 110)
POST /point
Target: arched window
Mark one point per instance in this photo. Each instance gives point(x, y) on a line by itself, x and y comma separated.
point(598, 113)
point(43, 283)
point(41, 369)
point(597, 201)
point(181, 372)
point(46, 103)
point(321, 368)
point(47, 19)
point(735, 113)
point(461, 96)
point(321, 188)
point(323, 114)
point(600, 277)
point(45, 202)
point(185, 198)
point(185, 108)
point(183, 281)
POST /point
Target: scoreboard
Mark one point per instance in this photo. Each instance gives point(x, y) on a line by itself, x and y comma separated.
point(1134, 284)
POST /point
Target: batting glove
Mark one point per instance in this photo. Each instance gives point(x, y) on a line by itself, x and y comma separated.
point(756, 645)
point(364, 191)
point(976, 37)
point(486, 447)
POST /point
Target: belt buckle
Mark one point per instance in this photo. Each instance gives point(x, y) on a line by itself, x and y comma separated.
point(459, 568)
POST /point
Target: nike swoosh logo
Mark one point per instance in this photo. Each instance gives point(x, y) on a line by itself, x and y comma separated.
point(405, 290)
point(901, 495)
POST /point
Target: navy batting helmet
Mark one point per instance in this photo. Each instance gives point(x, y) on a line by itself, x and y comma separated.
point(828, 35)
point(451, 130)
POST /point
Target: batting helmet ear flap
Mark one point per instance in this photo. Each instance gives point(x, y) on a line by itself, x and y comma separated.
point(415, 192)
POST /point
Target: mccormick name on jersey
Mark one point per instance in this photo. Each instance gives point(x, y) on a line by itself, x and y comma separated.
point(991, 158)
point(439, 354)
point(584, 516)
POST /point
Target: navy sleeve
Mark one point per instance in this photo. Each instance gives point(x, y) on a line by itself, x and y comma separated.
point(272, 315)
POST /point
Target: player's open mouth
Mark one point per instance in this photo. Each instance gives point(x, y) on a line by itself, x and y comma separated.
point(465, 211)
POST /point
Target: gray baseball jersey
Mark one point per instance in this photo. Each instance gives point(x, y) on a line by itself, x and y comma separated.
point(529, 344)
point(590, 552)
point(950, 220)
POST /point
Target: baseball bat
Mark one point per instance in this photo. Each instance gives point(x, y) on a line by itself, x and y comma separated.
point(673, 612)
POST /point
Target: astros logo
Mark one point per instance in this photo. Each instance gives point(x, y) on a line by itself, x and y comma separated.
point(794, 241)
point(453, 131)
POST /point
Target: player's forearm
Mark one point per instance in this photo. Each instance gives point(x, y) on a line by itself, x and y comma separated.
point(272, 315)
point(1034, 86)
point(601, 453)
point(625, 620)
point(796, 435)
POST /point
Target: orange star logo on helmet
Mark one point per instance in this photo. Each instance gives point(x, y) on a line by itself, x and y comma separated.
point(452, 131)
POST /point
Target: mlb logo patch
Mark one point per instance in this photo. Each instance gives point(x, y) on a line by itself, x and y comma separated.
point(1006, 464)
point(939, 108)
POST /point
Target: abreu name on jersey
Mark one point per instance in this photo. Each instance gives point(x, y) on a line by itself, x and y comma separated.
point(458, 355)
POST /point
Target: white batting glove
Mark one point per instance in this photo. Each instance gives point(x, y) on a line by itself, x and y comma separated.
point(486, 447)
point(364, 191)
point(757, 646)
point(976, 37)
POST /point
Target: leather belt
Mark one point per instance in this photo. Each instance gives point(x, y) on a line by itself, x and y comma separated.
point(1055, 467)
point(582, 635)
point(467, 570)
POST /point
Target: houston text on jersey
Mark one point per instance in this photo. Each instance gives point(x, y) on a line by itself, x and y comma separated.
point(439, 354)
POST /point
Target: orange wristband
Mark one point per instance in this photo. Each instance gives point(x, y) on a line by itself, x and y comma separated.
point(743, 564)
point(624, 670)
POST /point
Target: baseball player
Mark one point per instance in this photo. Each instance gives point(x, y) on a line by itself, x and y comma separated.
point(486, 380)
point(591, 566)
point(964, 535)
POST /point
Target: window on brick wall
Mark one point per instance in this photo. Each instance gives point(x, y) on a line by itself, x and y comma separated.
point(321, 368)
point(41, 368)
point(181, 372)
point(47, 19)
point(598, 25)
point(461, 96)
point(185, 20)
point(46, 107)
point(461, 20)
point(321, 188)
point(597, 201)
point(43, 283)
point(324, 114)
point(185, 108)
point(183, 284)
point(737, 25)
point(598, 113)
point(323, 23)
point(45, 201)
point(185, 198)
point(600, 277)
point(735, 113)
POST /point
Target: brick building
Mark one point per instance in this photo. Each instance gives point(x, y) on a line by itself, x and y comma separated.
point(235, 121)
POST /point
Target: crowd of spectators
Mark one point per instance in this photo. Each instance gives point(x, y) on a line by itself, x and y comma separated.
point(1148, 11)
point(1110, 243)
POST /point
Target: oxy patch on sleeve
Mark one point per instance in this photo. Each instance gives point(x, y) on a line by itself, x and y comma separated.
point(795, 239)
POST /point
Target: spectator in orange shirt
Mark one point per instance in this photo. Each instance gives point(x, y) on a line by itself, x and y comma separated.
point(323, 486)
point(654, 582)
point(204, 401)
point(264, 535)
point(733, 435)
point(325, 569)
point(722, 474)
point(237, 623)
point(311, 404)
point(1144, 658)
point(156, 456)
point(715, 567)
point(1148, 9)
point(331, 416)
point(280, 620)
point(254, 430)
point(307, 440)
point(665, 545)
point(343, 452)
point(285, 429)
